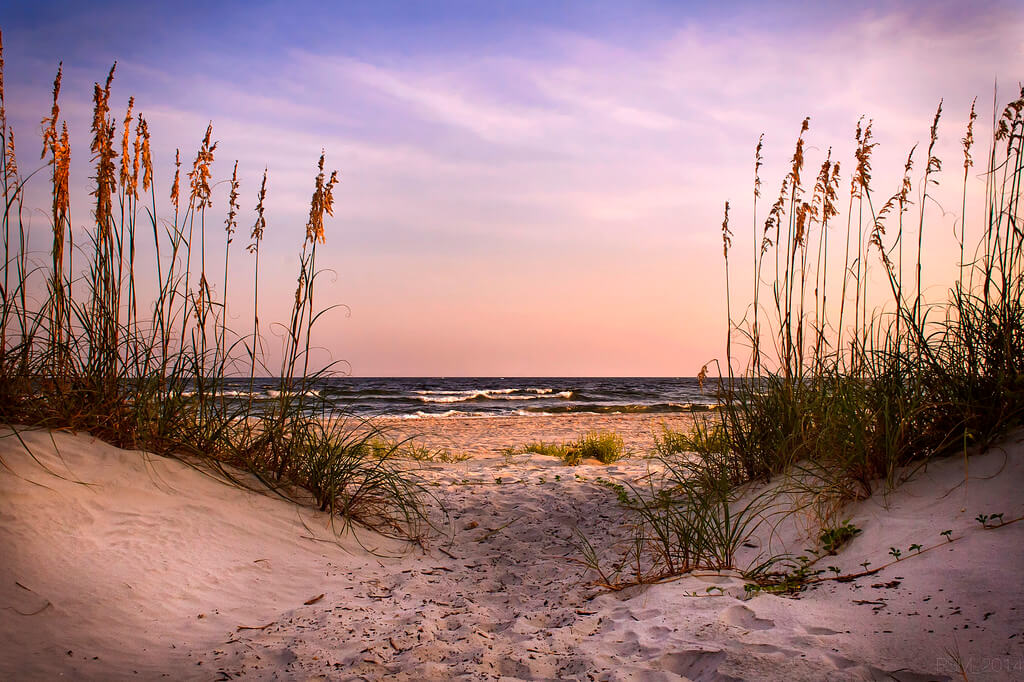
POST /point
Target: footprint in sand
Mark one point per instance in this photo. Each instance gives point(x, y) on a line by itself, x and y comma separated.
point(742, 617)
point(694, 664)
point(812, 630)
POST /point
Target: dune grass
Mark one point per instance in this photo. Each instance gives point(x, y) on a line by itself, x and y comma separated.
point(605, 447)
point(838, 391)
point(83, 347)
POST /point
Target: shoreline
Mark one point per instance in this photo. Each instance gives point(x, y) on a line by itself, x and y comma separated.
point(487, 436)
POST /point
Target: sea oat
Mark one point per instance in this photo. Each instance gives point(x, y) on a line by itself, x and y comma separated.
point(862, 173)
point(321, 202)
point(147, 156)
point(758, 162)
point(103, 153)
point(50, 122)
point(199, 177)
point(726, 234)
point(231, 221)
point(261, 221)
point(11, 166)
point(968, 139)
point(125, 151)
point(175, 186)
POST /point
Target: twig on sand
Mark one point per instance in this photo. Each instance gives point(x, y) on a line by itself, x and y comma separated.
point(313, 600)
point(31, 613)
point(254, 627)
point(497, 530)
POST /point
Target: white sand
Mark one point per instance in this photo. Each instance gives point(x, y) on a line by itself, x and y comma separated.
point(147, 567)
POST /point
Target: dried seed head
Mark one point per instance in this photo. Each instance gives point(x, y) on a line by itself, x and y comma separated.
point(968, 139)
point(321, 202)
point(261, 221)
point(726, 234)
point(934, 163)
point(702, 377)
point(136, 157)
point(199, 176)
point(11, 165)
point(62, 171)
point(175, 186)
point(905, 187)
point(147, 155)
point(798, 154)
point(125, 149)
point(231, 223)
point(50, 123)
point(758, 162)
point(861, 181)
point(804, 214)
point(1011, 118)
point(103, 154)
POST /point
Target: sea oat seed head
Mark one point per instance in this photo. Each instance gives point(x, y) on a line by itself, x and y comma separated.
point(125, 149)
point(726, 234)
point(261, 221)
point(147, 155)
point(231, 222)
point(50, 123)
point(177, 179)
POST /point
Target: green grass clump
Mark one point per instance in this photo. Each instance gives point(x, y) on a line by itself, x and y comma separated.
point(421, 453)
point(605, 447)
point(559, 450)
point(143, 362)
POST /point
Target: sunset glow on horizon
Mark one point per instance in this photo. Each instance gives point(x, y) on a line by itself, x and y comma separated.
point(524, 190)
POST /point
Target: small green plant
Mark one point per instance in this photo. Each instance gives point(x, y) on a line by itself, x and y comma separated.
point(895, 553)
point(548, 449)
point(948, 534)
point(915, 548)
point(989, 520)
point(832, 539)
point(605, 447)
point(421, 453)
point(865, 564)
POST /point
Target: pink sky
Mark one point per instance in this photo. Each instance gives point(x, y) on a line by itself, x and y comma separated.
point(526, 194)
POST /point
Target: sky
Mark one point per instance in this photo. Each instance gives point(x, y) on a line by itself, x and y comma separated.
point(526, 188)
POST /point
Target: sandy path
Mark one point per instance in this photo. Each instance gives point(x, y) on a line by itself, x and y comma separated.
point(502, 600)
point(150, 569)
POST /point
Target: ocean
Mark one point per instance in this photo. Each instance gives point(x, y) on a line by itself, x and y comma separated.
point(496, 396)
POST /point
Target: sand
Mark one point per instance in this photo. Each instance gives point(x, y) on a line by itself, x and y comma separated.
point(137, 566)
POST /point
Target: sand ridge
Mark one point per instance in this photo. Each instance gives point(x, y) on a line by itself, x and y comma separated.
point(153, 568)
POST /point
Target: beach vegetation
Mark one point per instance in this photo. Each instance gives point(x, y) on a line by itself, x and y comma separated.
point(118, 326)
point(832, 539)
point(840, 376)
point(604, 446)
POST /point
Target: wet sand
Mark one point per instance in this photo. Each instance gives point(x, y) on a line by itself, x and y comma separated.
point(489, 436)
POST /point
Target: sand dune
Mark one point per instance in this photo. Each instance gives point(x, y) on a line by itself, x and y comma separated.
point(129, 565)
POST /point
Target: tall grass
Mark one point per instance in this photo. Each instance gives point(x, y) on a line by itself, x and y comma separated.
point(80, 348)
point(839, 387)
point(885, 383)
